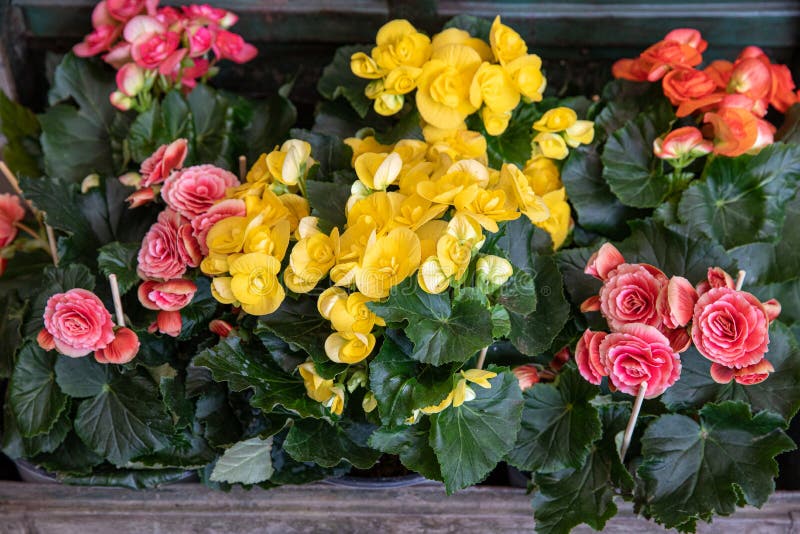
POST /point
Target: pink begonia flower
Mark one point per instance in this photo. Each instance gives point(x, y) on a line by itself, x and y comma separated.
point(165, 159)
point(122, 349)
point(78, 322)
point(587, 356)
point(192, 191)
point(168, 296)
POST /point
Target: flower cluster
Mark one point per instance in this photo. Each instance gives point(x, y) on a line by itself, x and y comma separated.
point(654, 318)
point(77, 323)
point(160, 47)
point(557, 130)
point(246, 234)
point(730, 99)
point(173, 243)
point(454, 74)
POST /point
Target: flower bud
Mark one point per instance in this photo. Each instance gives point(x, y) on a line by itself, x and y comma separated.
point(122, 349)
point(90, 182)
point(358, 379)
point(131, 179)
point(551, 145)
point(527, 375)
point(560, 358)
point(221, 328)
point(141, 197)
point(45, 340)
point(369, 403)
point(494, 270)
point(130, 79)
point(681, 144)
point(167, 322)
point(120, 101)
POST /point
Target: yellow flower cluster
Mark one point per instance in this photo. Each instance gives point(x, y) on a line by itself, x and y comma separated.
point(245, 252)
point(454, 74)
point(558, 129)
point(321, 389)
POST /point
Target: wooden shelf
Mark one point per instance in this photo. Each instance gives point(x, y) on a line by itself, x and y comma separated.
point(44, 508)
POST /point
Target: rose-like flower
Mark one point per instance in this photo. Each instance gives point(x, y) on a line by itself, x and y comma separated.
point(151, 49)
point(527, 375)
point(167, 322)
point(747, 376)
point(639, 353)
point(630, 295)
point(98, 41)
point(11, 212)
point(254, 283)
point(751, 77)
point(349, 347)
point(681, 85)
point(194, 190)
point(666, 55)
point(431, 277)
point(163, 255)
point(202, 224)
point(164, 160)
point(493, 270)
point(78, 322)
point(444, 85)
point(493, 87)
point(201, 38)
point(507, 45)
point(587, 356)
point(364, 66)
point(602, 262)
point(169, 296)
point(735, 130)
point(122, 349)
point(122, 10)
point(206, 14)
point(676, 302)
point(683, 143)
point(400, 44)
point(347, 313)
point(550, 145)
point(556, 120)
point(388, 261)
point(228, 45)
point(730, 327)
point(313, 257)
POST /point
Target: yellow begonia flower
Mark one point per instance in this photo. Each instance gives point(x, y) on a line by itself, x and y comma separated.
point(487, 207)
point(526, 72)
point(443, 87)
point(336, 402)
point(227, 235)
point(493, 87)
point(387, 104)
point(387, 261)
point(506, 43)
point(259, 171)
point(402, 80)
point(255, 284)
point(559, 223)
point(463, 393)
point(347, 313)
point(362, 146)
point(411, 176)
point(416, 211)
point(543, 175)
point(297, 207)
point(317, 388)
point(377, 210)
point(429, 234)
point(455, 36)
point(551, 145)
point(349, 347)
point(411, 151)
point(313, 257)
point(358, 191)
point(269, 205)
point(270, 240)
point(453, 255)
point(445, 189)
point(221, 290)
point(479, 376)
point(296, 283)
point(495, 123)
point(369, 402)
point(455, 143)
point(291, 163)
point(580, 133)
point(400, 44)
point(352, 245)
point(446, 402)
point(494, 270)
point(214, 264)
point(556, 120)
point(377, 170)
point(529, 203)
point(465, 228)
point(431, 277)
point(364, 66)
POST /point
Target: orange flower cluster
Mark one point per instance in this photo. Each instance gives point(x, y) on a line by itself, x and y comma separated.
point(731, 98)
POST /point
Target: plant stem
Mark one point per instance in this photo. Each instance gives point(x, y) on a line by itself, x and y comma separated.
point(481, 358)
point(112, 278)
point(637, 406)
point(51, 240)
point(28, 230)
point(12, 180)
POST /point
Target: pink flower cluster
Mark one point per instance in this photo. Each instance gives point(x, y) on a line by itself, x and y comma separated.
point(654, 318)
point(177, 241)
point(77, 323)
point(147, 43)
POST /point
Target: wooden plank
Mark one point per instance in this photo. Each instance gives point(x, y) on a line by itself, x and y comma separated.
point(44, 508)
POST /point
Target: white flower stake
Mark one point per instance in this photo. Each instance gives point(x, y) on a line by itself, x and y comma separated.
point(112, 279)
point(637, 406)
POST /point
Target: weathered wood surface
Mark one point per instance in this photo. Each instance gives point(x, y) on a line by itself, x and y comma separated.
point(37, 508)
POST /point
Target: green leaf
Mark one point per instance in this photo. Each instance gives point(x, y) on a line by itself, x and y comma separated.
point(120, 259)
point(125, 420)
point(12, 314)
point(196, 316)
point(298, 323)
point(214, 412)
point(329, 151)
point(329, 200)
point(411, 444)
point(625, 100)
point(136, 479)
point(269, 125)
point(247, 462)
point(469, 440)
point(629, 167)
point(82, 377)
point(72, 457)
point(52, 439)
point(21, 129)
point(229, 361)
point(475, 26)
point(567, 498)
point(789, 132)
point(514, 144)
point(175, 401)
point(559, 425)
point(401, 385)
point(441, 332)
point(35, 398)
point(596, 206)
point(501, 322)
point(212, 121)
point(780, 393)
point(289, 471)
point(743, 199)
point(338, 80)
point(163, 123)
point(692, 470)
point(316, 440)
